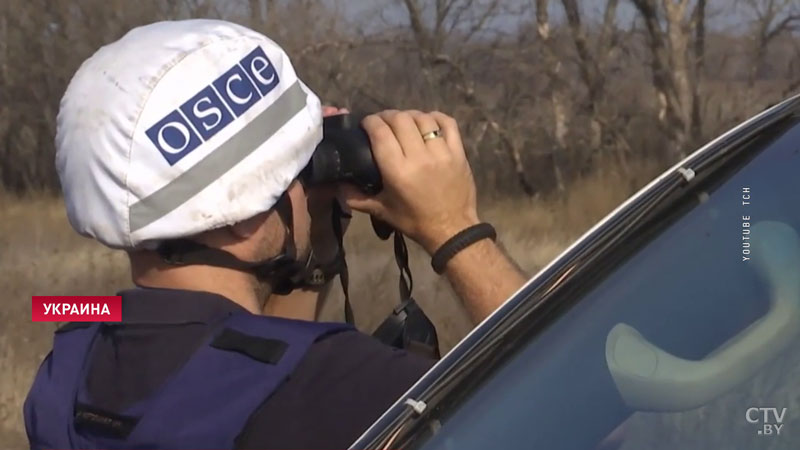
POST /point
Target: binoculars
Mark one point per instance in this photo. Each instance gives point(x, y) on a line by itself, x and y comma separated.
point(344, 155)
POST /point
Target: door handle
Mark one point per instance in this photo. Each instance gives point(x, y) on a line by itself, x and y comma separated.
point(651, 379)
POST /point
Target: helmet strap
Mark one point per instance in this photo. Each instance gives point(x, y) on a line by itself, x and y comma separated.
point(283, 271)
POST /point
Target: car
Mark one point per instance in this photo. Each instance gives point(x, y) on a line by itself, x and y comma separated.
point(672, 323)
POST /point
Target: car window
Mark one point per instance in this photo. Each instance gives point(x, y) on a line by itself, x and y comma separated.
point(690, 341)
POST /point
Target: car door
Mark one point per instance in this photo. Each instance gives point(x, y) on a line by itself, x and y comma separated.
point(674, 323)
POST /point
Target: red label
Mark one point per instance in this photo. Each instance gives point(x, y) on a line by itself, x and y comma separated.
point(76, 308)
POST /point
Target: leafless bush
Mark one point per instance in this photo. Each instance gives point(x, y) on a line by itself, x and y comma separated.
point(543, 89)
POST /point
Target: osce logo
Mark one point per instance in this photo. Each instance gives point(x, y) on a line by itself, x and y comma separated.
point(214, 107)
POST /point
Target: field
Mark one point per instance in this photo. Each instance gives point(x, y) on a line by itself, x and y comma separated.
point(41, 255)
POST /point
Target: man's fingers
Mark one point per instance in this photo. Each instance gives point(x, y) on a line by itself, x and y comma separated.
point(452, 136)
point(436, 147)
point(425, 122)
point(366, 206)
point(355, 199)
point(407, 132)
point(329, 110)
point(386, 148)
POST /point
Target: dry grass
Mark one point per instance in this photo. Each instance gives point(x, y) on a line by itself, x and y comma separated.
point(41, 255)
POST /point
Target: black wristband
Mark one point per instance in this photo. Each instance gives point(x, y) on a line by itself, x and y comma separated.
point(460, 241)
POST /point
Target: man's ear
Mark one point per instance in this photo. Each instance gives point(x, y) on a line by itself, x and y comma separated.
point(249, 227)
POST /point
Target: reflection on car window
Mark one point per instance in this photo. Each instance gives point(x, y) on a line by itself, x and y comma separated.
point(693, 342)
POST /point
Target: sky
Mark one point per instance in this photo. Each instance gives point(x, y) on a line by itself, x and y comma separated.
point(722, 14)
point(375, 15)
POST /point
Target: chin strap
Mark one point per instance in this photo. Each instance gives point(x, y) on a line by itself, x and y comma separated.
point(284, 271)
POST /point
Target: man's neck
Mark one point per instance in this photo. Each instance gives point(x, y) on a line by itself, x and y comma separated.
point(300, 304)
point(237, 286)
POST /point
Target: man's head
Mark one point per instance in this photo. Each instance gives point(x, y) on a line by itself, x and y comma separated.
point(192, 129)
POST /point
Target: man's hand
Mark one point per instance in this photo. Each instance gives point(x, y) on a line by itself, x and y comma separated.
point(429, 195)
point(428, 190)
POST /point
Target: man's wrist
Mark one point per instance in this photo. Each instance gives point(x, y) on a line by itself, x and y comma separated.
point(461, 241)
point(437, 236)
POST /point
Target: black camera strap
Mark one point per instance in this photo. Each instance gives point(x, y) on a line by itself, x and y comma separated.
point(341, 263)
point(407, 327)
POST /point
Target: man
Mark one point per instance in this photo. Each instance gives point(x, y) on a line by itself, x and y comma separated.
point(182, 144)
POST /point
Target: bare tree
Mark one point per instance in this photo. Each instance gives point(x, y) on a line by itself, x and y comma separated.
point(671, 27)
point(593, 67)
point(557, 87)
point(793, 71)
point(540, 105)
point(450, 22)
point(771, 19)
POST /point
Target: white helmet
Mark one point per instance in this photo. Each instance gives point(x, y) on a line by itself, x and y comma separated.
point(181, 127)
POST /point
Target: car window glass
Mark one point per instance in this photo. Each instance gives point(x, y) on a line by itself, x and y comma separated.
point(691, 342)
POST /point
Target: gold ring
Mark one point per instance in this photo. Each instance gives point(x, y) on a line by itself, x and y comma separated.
point(432, 135)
